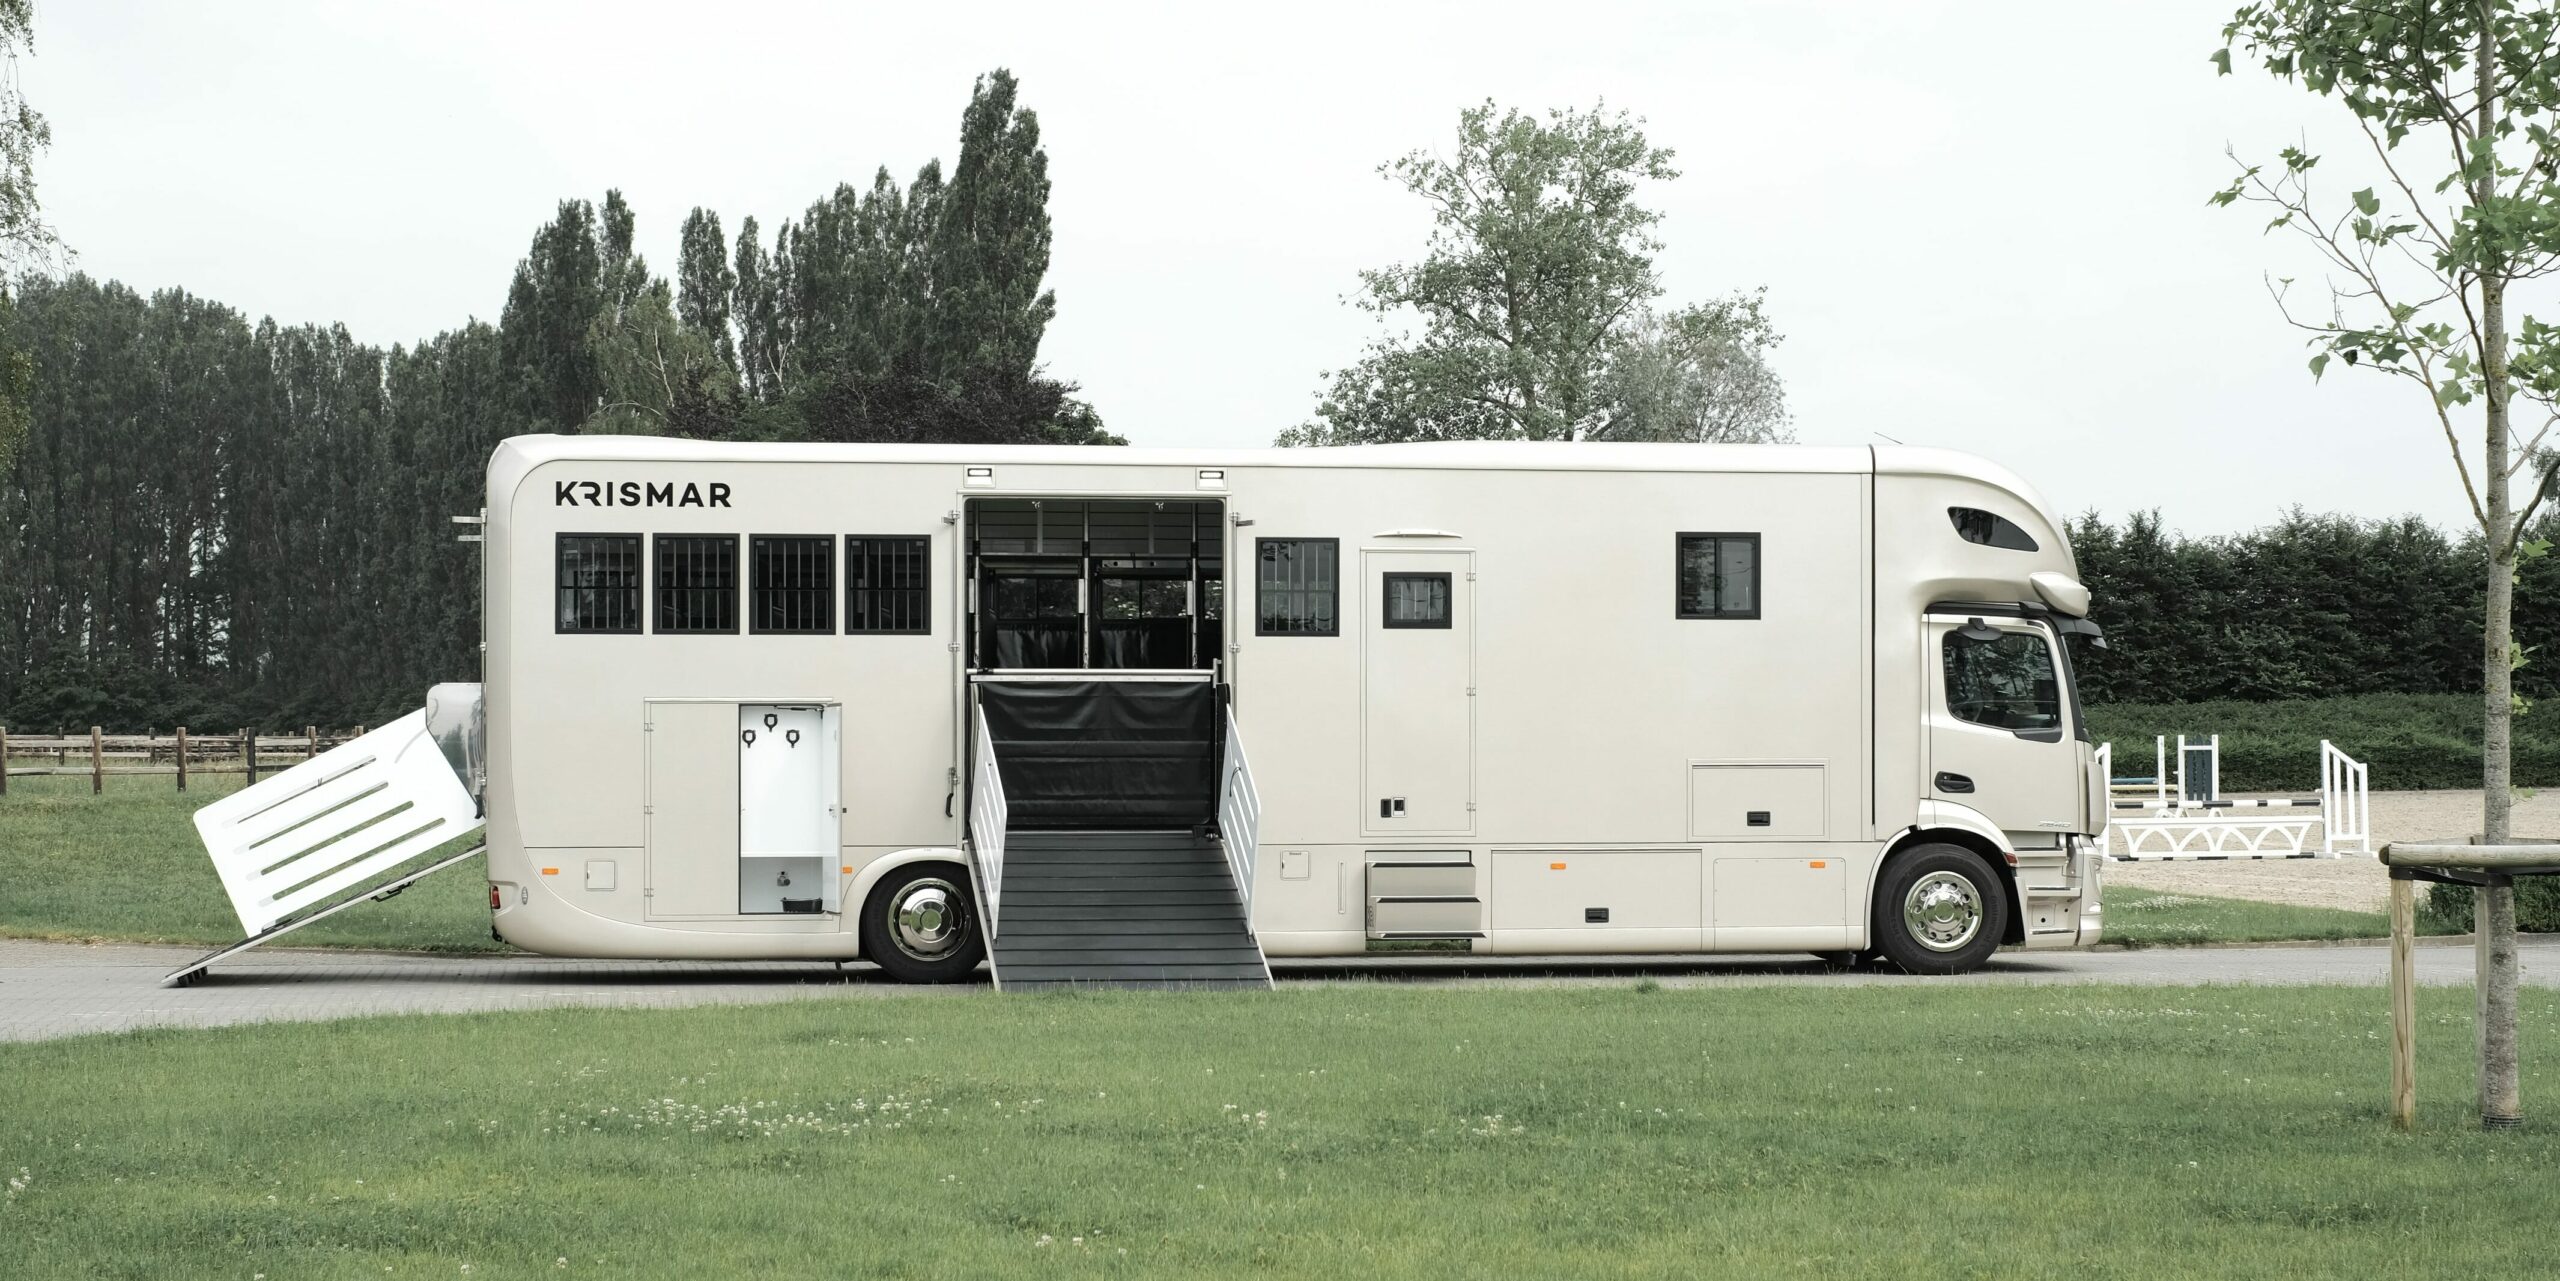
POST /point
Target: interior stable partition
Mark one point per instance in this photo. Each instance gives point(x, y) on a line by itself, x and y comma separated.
point(1092, 584)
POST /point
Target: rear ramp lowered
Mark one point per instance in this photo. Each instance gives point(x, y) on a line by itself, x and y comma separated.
point(1113, 825)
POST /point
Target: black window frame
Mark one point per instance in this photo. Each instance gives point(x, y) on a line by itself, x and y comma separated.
point(639, 585)
point(824, 589)
point(922, 545)
point(1759, 574)
point(658, 587)
point(1448, 600)
point(2004, 533)
point(1261, 626)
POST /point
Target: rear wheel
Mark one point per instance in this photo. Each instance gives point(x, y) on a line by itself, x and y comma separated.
point(1938, 910)
point(920, 925)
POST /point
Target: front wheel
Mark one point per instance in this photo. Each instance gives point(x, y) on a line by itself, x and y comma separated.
point(1938, 910)
point(920, 925)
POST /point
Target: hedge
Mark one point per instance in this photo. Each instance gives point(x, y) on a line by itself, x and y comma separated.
point(2412, 742)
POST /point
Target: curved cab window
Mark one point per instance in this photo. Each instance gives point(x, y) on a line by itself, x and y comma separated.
point(2005, 682)
point(1990, 529)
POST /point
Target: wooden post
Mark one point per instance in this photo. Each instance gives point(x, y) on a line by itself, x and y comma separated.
point(97, 761)
point(182, 758)
point(4, 760)
point(311, 732)
point(2404, 1006)
point(249, 755)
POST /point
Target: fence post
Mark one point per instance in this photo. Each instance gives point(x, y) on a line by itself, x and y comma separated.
point(249, 755)
point(4, 760)
point(182, 758)
point(97, 761)
point(312, 733)
point(2404, 1007)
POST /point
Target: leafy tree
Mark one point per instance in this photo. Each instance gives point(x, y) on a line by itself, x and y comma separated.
point(26, 242)
point(1534, 301)
point(1698, 375)
point(2460, 105)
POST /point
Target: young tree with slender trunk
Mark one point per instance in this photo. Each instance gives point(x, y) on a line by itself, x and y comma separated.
point(2459, 104)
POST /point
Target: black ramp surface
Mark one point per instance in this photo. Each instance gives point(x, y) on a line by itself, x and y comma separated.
point(1121, 909)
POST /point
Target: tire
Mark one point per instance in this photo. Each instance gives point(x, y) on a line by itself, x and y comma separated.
point(920, 925)
point(1939, 909)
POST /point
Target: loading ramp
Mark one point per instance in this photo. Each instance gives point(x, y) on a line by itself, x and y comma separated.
point(1122, 909)
point(1112, 830)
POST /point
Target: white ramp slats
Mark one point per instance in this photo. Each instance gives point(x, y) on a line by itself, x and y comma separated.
point(334, 822)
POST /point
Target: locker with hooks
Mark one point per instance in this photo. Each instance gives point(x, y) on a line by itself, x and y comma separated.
point(744, 811)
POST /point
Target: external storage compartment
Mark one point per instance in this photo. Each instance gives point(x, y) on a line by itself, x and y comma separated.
point(1104, 755)
point(1417, 894)
point(1641, 900)
point(1758, 801)
point(742, 810)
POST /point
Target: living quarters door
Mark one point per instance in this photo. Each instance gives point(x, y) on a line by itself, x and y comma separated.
point(1417, 692)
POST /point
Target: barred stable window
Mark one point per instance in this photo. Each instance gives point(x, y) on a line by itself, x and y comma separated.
point(1297, 586)
point(697, 583)
point(599, 583)
point(791, 584)
point(1719, 576)
point(887, 584)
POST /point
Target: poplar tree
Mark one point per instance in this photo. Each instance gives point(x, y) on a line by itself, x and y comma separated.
point(988, 245)
point(704, 282)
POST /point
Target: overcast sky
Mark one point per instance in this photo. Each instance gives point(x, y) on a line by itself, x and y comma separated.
point(1980, 225)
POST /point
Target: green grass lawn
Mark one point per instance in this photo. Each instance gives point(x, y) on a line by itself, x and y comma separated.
point(1323, 1131)
point(127, 865)
point(2153, 918)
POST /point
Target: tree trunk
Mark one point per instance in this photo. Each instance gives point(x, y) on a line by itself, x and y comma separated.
point(2494, 914)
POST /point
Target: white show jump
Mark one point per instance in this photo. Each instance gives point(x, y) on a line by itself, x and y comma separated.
point(2185, 815)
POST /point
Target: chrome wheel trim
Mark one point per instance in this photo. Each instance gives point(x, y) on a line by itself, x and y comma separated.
point(928, 919)
point(1942, 911)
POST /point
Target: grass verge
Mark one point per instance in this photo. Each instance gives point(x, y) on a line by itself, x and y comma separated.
point(1321, 1131)
point(2156, 918)
point(127, 865)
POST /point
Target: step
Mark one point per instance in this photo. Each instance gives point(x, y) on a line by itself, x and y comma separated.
point(1122, 909)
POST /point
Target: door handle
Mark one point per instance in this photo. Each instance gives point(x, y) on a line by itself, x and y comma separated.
point(1953, 782)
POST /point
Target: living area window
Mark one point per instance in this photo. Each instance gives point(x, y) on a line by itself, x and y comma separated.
point(1719, 576)
point(1297, 586)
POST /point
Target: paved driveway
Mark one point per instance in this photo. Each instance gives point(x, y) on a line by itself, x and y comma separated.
point(65, 989)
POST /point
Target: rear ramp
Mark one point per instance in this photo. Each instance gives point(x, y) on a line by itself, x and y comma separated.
point(1112, 827)
point(1122, 909)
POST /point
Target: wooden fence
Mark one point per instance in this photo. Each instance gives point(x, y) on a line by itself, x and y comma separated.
point(181, 754)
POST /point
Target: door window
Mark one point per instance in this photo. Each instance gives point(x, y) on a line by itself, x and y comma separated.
point(1417, 600)
point(2004, 680)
